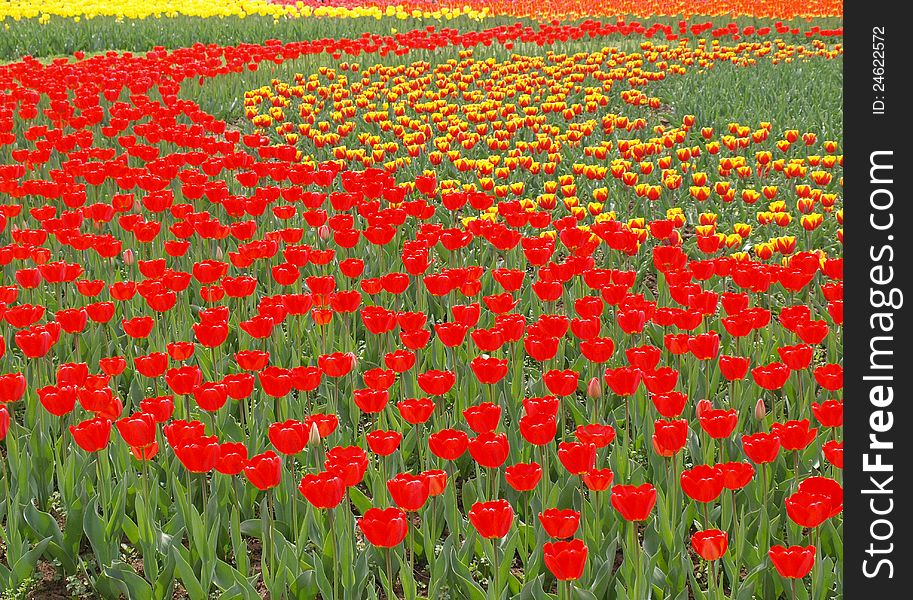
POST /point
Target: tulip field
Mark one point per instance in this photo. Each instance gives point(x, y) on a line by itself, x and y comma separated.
point(470, 300)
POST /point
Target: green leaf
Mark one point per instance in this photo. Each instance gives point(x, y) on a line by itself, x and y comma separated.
point(131, 584)
point(95, 530)
point(186, 574)
point(472, 589)
point(361, 502)
point(583, 594)
point(44, 525)
point(25, 566)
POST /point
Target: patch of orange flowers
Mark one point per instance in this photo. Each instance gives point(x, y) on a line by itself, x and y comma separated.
point(580, 130)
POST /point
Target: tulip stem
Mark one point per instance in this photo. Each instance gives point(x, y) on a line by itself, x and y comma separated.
point(796, 467)
point(293, 498)
point(635, 550)
point(332, 533)
point(627, 427)
point(597, 528)
point(714, 585)
point(388, 556)
point(412, 551)
point(495, 567)
point(101, 489)
point(547, 477)
point(203, 495)
point(816, 539)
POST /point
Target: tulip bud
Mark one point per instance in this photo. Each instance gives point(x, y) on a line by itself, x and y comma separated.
point(129, 259)
point(760, 410)
point(324, 232)
point(313, 435)
point(220, 254)
point(594, 388)
point(702, 406)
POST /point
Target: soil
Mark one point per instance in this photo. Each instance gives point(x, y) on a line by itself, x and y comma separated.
point(51, 585)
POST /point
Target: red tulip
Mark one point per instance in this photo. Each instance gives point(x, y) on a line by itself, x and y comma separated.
point(198, 455)
point(371, 401)
point(595, 433)
point(577, 457)
point(794, 562)
point(645, 358)
point(833, 452)
point(437, 481)
point(336, 365)
point(350, 462)
point(719, 423)
point(138, 327)
point(794, 435)
point(400, 360)
point(323, 490)
point(138, 429)
point(483, 418)
point(623, 380)
point(597, 350)
point(830, 377)
point(669, 437)
point(323, 424)
point(710, 544)
point(252, 360)
point(384, 528)
point(560, 524)
point(492, 519)
point(239, 386)
point(275, 381)
point(92, 435)
point(736, 475)
point(383, 443)
point(409, 492)
point(772, 376)
point(523, 477)
point(538, 429)
point(671, 404)
point(490, 450)
point(448, 444)
point(734, 368)
point(561, 383)
point(705, 346)
point(182, 380)
point(416, 410)
point(12, 387)
point(288, 437)
point(824, 486)
point(796, 357)
point(702, 483)
point(436, 383)
point(488, 370)
point(634, 503)
point(807, 509)
point(232, 458)
point(210, 396)
point(761, 448)
point(152, 365)
point(598, 480)
point(264, 470)
point(565, 560)
point(829, 413)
